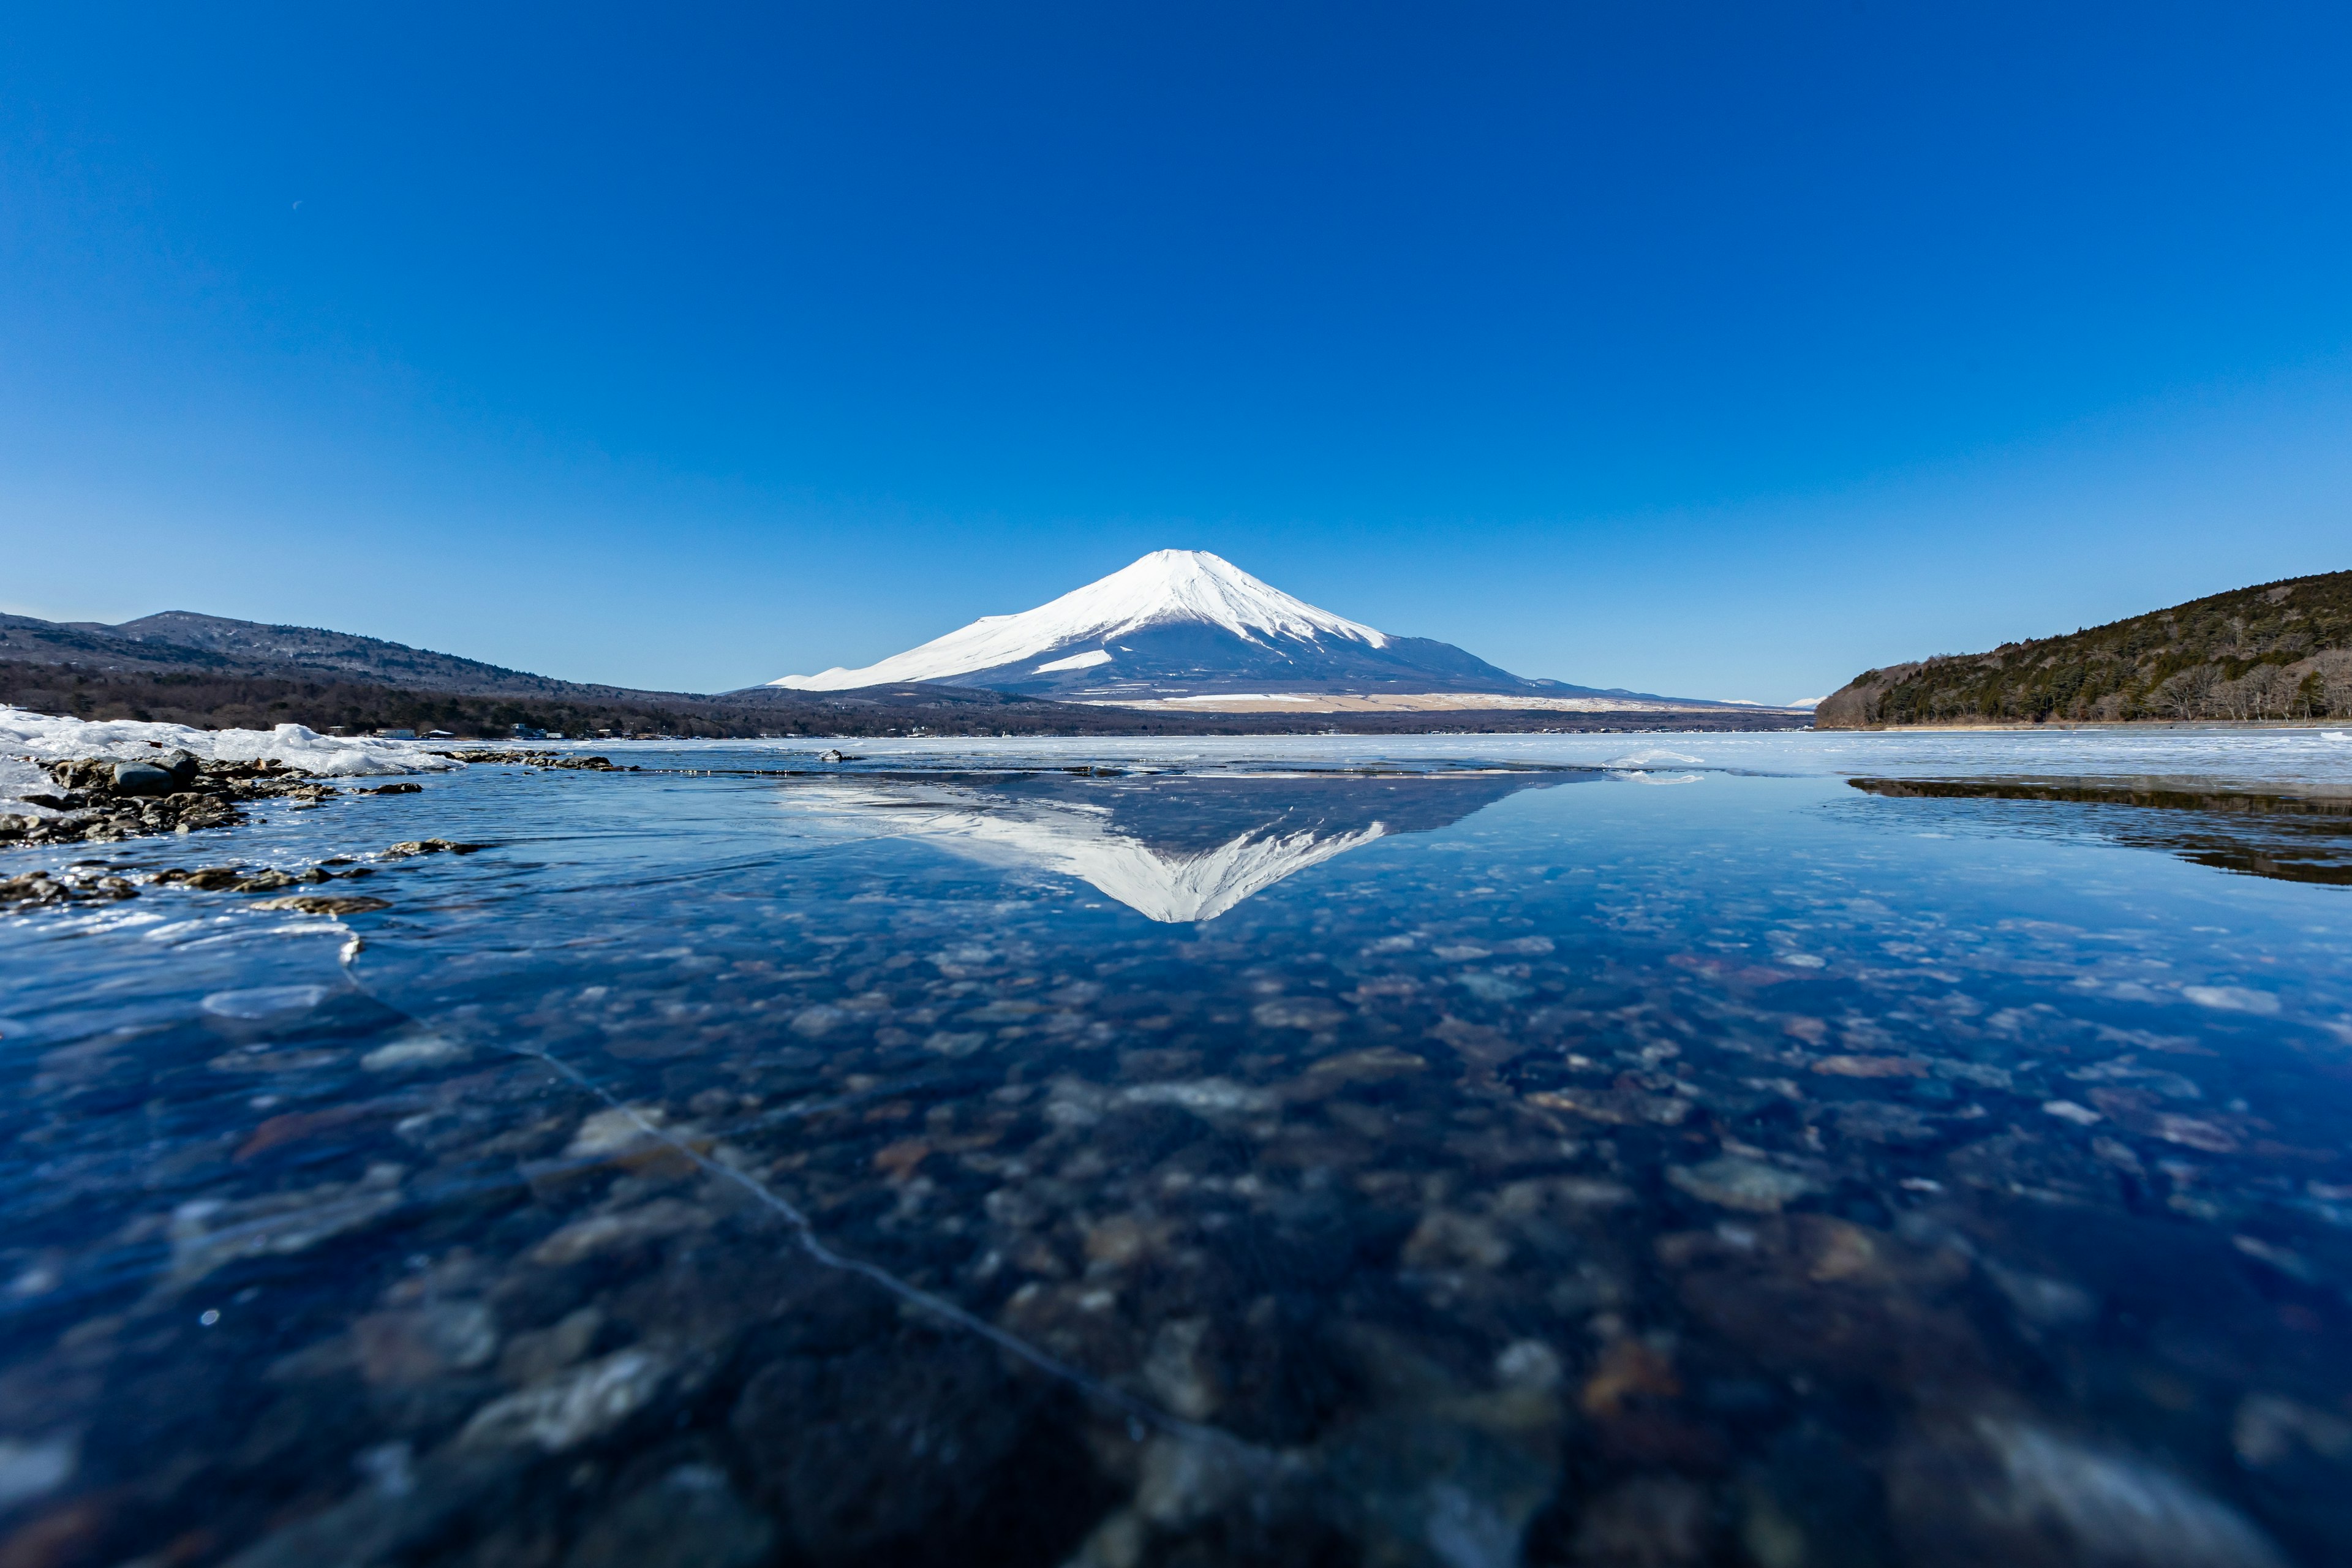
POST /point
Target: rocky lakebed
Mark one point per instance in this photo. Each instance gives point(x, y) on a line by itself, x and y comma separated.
point(1453, 1152)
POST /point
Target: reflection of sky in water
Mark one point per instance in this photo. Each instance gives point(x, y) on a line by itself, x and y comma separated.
point(1411, 1170)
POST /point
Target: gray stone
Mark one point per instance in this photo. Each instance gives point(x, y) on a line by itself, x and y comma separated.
point(690, 1518)
point(139, 778)
point(209, 1232)
point(1650, 1521)
point(568, 1410)
point(31, 1468)
point(1999, 1489)
point(1733, 1183)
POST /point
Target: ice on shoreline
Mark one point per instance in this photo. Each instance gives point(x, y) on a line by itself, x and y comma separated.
point(26, 734)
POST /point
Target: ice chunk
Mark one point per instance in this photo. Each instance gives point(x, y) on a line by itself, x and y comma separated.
point(30, 734)
point(1651, 756)
point(263, 1001)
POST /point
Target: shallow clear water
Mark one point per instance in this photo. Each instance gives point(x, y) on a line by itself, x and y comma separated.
point(1436, 1151)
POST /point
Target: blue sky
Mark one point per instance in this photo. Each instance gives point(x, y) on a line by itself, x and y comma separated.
point(1721, 349)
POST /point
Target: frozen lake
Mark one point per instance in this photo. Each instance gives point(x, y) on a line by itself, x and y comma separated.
point(1456, 1151)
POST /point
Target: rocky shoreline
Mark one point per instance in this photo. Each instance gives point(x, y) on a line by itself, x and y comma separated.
point(514, 759)
point(86, 884)
point(100, 800)
point(103, 802)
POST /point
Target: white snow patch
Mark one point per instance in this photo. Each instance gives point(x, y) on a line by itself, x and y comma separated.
point(35, 735)
point(18, 778)
point(1085, 661)
point(1167, 587)
point(1239, 697)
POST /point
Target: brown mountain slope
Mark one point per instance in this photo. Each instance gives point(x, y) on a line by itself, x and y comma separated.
point(2277, 650)
point(207, 670)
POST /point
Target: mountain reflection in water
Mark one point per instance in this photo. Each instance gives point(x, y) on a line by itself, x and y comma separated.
point(1172, 847)
point(755, 1163)
point(2288, 838)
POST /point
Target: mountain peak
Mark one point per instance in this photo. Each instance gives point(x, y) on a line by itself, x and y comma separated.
point(1195, 585)
point(1166, 589)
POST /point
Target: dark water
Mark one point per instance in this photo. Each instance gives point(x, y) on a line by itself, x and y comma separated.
point(1469, 1158)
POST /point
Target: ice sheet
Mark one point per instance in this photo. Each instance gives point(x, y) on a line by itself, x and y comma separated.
point(26, 734)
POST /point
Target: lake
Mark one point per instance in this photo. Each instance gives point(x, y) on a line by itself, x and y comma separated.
point(1788, 1150)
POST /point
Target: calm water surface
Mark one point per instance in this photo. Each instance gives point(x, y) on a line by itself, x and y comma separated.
point(1404, 1151)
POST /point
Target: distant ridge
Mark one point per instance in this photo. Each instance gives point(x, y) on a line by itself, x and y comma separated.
point(2276, 650)
point(212, 671)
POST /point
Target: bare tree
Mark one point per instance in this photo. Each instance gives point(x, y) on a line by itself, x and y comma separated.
point(2187, 694)
point(2270, 692)
point(2334, 671)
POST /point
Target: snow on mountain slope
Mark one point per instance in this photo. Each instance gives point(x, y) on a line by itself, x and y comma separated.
point(1166, 587)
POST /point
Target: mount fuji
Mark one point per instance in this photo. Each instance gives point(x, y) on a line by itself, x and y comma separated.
point(1186, 626)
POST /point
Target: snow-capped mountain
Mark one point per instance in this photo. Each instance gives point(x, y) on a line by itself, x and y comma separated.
point(1184, 622)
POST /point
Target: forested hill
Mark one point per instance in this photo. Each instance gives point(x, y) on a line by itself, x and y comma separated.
point(212, 672)
point(2279, 650)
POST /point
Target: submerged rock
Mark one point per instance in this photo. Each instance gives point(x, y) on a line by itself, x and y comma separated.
point(1650, 1521)
point(207, 1233)
point(32, 1467)
point(690, 1518)
point(1732, 1182)
point(325, 903)
point(869, 1453)
point(569, 1409)
point(424, 1342)
point(2001, 1488)
point(611, 1232)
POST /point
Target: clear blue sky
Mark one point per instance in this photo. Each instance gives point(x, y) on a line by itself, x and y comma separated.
point(1721, 349)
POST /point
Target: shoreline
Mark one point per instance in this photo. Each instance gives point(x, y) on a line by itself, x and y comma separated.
point(2102, 725)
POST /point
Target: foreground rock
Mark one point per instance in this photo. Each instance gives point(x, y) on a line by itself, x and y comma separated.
point(38, 888)
point(536, 759)
point(102, 802)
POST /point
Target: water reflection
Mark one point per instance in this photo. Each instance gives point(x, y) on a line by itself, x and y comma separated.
point(1623, 1177)
point(1177, 847)
point(2288, 838)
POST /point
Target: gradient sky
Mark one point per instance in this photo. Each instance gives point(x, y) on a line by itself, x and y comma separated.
point(1719, 350)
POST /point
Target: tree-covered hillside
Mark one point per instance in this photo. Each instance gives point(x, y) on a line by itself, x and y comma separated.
point(2279, 650)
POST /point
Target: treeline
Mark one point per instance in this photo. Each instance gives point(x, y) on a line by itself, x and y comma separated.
point(207, 700)
point(259, 703)
point(2277, 651)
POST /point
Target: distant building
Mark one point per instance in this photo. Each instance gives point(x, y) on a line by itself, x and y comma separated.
point(525, 732)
